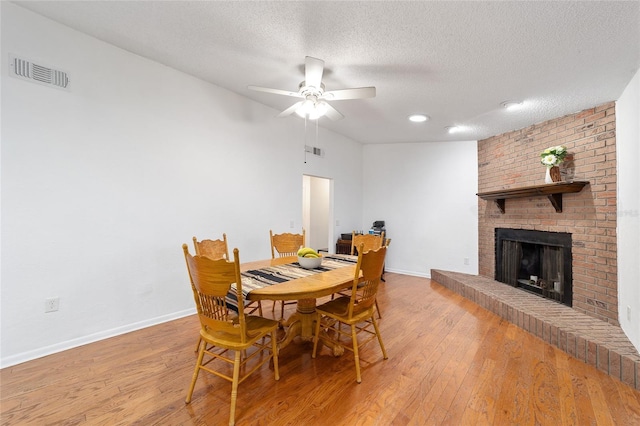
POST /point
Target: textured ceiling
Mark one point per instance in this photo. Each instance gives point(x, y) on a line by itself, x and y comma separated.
point(454, 61)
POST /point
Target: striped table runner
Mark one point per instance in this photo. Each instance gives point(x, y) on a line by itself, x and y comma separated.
point(259, 278)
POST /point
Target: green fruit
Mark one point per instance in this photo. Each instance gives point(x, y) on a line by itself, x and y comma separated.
point(306, 250)
point(311, 255)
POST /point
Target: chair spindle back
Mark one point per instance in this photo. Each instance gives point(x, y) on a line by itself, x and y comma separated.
point(286, 244)
point(213, 249)
point(370, 241)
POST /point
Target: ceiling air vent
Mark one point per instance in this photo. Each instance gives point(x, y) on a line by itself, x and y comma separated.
point(27, 70)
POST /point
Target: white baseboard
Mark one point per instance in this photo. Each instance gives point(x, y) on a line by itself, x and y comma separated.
point(80, 341)
point(412, 273)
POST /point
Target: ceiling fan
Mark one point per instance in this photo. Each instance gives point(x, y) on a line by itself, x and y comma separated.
point(314, 98)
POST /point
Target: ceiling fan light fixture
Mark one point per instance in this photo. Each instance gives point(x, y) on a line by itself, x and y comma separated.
point(314, 115)
point(306, 108)
point(312, 110)
point(321, 108)
point(418, 118)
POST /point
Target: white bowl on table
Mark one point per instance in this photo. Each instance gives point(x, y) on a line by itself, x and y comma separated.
point(310, 262)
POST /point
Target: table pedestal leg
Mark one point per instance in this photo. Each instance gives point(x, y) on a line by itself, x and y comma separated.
point(302, 323)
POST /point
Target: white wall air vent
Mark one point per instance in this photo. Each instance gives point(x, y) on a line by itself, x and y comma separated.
point(27, 70)
point(314, 150)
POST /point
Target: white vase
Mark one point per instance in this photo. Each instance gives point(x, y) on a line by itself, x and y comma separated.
point(547, 176)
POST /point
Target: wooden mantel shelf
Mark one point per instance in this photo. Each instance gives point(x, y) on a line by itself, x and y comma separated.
point(553, 191)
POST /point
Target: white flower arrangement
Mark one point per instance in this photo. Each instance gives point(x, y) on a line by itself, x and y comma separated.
point(553, 155)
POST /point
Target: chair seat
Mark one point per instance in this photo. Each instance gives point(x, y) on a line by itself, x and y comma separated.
point(256, 328)
point(339, 309)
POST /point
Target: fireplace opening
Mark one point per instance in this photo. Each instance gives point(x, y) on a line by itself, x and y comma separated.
point(536, 261)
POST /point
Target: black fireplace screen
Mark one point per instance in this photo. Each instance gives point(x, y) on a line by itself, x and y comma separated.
point(536, 261)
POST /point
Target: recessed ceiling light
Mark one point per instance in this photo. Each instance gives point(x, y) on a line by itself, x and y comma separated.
point(418, 118)
point(452, 129)
point(511, 105)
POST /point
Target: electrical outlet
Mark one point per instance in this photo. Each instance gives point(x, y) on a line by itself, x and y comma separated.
point(291, 224)
point(52, 304)
point(337, 222)
point(466, 260)
point(628, 313)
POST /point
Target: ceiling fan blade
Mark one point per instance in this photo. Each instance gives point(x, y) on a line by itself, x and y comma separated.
point(275, 91)
point(313, 69)
point(356, 93)
point(333, 113)
point(291, 109)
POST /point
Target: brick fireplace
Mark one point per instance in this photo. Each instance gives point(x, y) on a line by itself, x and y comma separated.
point(587, 327)
point(511, 160)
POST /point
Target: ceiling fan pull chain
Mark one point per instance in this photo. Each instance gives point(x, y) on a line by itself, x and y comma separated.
point(304, 148)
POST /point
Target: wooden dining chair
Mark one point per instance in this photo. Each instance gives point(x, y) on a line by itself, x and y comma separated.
point(213, 249)
point(219, 249)
point(224, 331)
point(356, 310)
point(283, 245)
point(370, 241)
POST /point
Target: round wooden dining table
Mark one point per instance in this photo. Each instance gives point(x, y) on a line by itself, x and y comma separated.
point(305, 290)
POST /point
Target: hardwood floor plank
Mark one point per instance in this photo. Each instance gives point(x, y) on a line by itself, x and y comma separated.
point(628, 402)
point(450, 362)
point(584, 408)
point(567, 400)
point(599, 402)
point(469, 375)
point(439, 393)
point(508, 384)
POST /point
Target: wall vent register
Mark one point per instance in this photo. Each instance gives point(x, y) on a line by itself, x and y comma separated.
point(37, 73)
point(314, 150)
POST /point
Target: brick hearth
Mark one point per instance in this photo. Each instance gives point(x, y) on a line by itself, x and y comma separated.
point(593, 341)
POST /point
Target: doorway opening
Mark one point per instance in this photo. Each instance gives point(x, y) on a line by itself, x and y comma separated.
point(317, 212)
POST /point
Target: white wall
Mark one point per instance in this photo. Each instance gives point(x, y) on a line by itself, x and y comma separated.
point(102, 184)
point(628, 161)
point(425, 193)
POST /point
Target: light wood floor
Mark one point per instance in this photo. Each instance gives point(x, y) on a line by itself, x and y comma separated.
point(450, 362)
